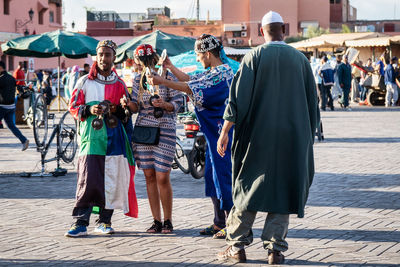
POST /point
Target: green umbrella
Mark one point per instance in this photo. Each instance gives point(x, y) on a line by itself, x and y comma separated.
point(52, 44)
point(174, 44)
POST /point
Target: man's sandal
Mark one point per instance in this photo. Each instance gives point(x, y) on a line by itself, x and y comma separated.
point(220, 235)
point(210, 230)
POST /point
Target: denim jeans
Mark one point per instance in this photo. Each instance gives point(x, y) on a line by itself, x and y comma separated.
point(364, 92)
point(82, 215)
point(9, 117)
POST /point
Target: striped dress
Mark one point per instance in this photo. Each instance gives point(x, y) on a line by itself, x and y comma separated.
point(157, 157)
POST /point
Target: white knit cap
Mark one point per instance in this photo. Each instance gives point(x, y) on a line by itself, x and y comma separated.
point(271, 17)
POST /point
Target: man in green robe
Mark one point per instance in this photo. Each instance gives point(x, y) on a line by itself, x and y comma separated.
point(273, 105)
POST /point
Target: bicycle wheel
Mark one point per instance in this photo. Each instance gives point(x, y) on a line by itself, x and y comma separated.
point(40, 123)
point(181, 159)
point(67, 138)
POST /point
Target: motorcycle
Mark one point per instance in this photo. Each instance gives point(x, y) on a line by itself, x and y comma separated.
point(193, 144)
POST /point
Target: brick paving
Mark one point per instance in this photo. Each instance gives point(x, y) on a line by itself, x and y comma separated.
point(352, 216)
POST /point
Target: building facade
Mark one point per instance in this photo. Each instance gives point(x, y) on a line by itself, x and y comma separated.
point(242, 18)
point(25, 17)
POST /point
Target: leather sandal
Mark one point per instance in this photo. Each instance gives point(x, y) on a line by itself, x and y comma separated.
point(210, 230)
point(221, 234)
point(167, 227)
point(156, 227)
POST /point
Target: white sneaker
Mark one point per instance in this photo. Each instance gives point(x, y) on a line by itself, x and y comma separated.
point(25, 145)
point(348, 109)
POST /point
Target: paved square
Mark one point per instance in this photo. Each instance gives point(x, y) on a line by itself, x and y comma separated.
point(352, 216)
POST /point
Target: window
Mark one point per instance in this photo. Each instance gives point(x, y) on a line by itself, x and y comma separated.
point(287, 29)
point(58, 14)
point(51, 16)
point(6, 4)
point(40, 16)
point(237, 34)
point(10, 62)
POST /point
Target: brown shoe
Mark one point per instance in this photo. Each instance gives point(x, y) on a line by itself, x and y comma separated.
point(231, 255)
point(275, 257)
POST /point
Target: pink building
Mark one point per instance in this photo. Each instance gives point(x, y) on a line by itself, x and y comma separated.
point(242, 18)
point(23, 17)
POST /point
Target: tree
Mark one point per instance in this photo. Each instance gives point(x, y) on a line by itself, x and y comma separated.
point(313, 31)
point(293, 39)
point(345, 29)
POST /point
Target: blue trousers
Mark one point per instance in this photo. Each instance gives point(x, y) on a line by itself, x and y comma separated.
point(9, 117)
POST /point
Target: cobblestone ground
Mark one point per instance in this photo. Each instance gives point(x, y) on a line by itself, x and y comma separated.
point(352, 217)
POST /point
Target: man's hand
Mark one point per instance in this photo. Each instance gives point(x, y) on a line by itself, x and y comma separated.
point(222, 143)
point(96, 110)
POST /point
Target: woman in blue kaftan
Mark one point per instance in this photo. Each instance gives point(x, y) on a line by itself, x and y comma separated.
point(209, 92)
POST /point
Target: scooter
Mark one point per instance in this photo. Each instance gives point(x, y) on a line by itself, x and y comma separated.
point(196, 141)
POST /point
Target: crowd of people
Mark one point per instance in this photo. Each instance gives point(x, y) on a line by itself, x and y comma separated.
point(337, 78)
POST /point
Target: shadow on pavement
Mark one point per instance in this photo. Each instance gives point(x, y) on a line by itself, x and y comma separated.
point(373, 191)
point(343, 234)
point(33, 262)
point(364, 140)
point(341, 264)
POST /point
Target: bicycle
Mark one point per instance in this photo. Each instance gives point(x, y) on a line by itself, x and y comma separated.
point(181, 160)
point(65, 132)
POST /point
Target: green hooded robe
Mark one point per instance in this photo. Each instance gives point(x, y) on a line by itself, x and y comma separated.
point(273, 103)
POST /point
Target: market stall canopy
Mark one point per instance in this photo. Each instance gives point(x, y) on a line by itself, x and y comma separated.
point(334, 40)
point(231, 51)
point(52, 44)
point(187, 63)
point(159, 40)
point(6, 36)
point(373, 42)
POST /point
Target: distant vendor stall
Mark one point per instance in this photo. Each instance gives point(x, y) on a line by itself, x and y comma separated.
point(333, 42)
point(374, 47)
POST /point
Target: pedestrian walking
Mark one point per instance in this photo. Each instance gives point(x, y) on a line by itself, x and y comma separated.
point(209, 92)
point(327, 75)
point(344, 75)
point(19, 76)
point(7, 104)
point(155, 158)
point(106, 166)
point(64, 80)
point(390, 82)
point(273, 105)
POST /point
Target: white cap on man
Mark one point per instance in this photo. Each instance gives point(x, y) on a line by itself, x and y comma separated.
point(271, 17)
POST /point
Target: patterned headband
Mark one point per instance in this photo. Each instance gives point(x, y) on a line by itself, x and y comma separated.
point(107, 43)
point(206, 43)
point(144, 50)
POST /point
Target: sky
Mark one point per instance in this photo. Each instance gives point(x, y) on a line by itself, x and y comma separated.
point(74, 10)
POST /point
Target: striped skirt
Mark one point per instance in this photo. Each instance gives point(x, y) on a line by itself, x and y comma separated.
point(157, 157)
